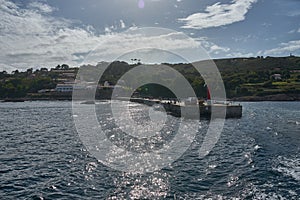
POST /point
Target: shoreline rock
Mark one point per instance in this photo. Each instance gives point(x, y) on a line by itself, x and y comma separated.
point(276, 97)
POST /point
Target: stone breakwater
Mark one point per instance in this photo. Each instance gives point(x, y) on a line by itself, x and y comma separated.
point(205, 111)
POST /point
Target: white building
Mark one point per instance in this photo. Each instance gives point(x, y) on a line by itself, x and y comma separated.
point(191, 101)
point(277, 77)
point(64, 88)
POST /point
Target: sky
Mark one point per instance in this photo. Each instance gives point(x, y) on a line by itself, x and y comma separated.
point(46, 33)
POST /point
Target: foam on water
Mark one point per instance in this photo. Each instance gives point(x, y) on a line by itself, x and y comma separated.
point(288, 166)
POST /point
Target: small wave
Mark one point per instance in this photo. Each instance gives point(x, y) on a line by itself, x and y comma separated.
point(53, 187)
point(233, 180)
point(263, 192)
point(155, 186)
point(270, 195)
point(257, 147)
point(293, 122)
point(289, 167)
point(212, 166)
point(91, 166)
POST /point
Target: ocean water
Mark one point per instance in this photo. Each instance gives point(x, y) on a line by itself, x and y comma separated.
point(256, 157)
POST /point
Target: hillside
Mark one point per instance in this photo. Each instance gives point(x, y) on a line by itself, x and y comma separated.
point(270, 78)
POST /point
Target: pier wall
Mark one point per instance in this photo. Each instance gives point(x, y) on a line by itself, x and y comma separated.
point(205, 111)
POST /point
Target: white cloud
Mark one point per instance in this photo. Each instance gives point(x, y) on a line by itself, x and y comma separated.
point(41, 7)
point(294, 31)
point(33, 38)
point(122, 24)
point(113, 45)
point(288, 47)
point(293, 13)
point(218, 15)
point(107, 29)
point(240, 55)
point(216, 48)
point(211, 47)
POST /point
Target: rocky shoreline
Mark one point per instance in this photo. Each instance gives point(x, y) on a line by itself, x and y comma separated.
point(276, 97)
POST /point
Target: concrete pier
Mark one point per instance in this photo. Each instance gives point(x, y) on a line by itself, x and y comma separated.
point(205, 111)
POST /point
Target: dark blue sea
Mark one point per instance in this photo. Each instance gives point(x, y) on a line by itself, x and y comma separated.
point(256, 157)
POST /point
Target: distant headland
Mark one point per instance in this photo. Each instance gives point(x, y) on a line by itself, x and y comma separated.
point(245, 79)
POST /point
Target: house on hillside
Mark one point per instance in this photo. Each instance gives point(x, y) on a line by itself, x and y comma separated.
point(276, 77)
point(46, 91)
point(64, 88)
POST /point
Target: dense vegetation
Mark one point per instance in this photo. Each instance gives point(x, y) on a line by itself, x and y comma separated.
point(20, 84)
point(242, 77)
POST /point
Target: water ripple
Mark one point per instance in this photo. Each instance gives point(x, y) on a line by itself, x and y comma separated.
point(42, 157)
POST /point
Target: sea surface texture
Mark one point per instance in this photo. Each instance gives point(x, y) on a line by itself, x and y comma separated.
point(256, 157)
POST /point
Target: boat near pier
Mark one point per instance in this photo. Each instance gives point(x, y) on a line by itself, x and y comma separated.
point(206, 109)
